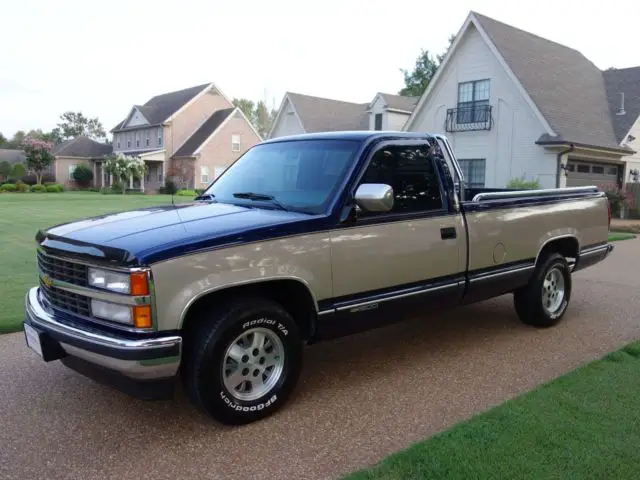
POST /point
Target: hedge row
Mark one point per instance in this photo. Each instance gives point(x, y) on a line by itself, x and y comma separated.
point(24, 188)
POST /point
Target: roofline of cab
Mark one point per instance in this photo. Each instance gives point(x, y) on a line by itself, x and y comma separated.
point(357, 135)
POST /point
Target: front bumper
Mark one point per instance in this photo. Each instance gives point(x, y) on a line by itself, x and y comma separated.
point(148, 363)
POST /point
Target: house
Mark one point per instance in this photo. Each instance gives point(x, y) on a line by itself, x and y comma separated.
point(516, 105)
point(71, 153)
point(191, 135)
point(308, 114)
point(623, 93)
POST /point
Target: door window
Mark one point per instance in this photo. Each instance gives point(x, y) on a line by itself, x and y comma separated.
point(411, 172)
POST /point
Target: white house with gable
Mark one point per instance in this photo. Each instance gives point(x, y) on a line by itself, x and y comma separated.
point(515, 105)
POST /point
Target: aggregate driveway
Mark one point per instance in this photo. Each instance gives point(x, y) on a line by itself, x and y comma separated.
point(359, 399)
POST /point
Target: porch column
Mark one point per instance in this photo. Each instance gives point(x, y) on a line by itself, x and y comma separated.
point(102, 175)
point(110, 179)
point(162, 174)
point(142, 181)
point(95, 172)
point(131, 182)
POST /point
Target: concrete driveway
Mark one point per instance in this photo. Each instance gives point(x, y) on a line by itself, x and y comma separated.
point(360, 398)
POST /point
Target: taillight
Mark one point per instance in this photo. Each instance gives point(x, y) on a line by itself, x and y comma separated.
point(608, 214)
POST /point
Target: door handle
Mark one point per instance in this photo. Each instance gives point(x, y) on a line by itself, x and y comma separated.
point(447, 233)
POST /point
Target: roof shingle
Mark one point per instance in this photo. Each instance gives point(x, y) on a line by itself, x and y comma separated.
point(82, 146)
point(567, 88)
point(399, 102)
point(201, 134)
point(627, 81)
point(159, 108)
point(319, 114)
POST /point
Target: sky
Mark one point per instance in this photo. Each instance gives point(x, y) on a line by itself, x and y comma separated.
point(103, 57)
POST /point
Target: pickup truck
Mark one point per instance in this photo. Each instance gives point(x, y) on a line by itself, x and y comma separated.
point(303, 239)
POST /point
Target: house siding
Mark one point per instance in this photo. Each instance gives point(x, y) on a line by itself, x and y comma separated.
point(288, 123)
point(632, 162)
point(190, 119)
point(509, 147)
point(218, 154)
point(390, 120)
point(136, 119)
point(395, 121)
point(130, 135)
point(62, 165)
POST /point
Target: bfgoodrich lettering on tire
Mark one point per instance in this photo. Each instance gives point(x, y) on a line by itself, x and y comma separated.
point(242, 361)
point(544, 301)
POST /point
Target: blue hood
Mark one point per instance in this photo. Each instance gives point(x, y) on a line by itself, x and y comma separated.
point(149, 235)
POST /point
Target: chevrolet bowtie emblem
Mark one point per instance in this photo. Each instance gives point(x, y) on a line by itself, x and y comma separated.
point(47, 280)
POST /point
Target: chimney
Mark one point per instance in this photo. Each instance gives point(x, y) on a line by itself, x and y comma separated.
point(621, 110)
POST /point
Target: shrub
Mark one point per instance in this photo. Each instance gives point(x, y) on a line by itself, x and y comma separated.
point(83, 175)
point(38, 188)
point(18, 171)
point(618, 198)
point(31, 179)
point(522, 184)
point(186, 193)
point(22, 187)
point(5, 169)
point(170, 187)
point(55, 188)
point(8, 187)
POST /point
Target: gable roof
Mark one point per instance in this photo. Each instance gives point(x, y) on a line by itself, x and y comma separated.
point(159, 108)
point(12, 156)
point(567, 88)
point(82, 146)
point(399, 102)
point(627, 81)
point(319, 114)
point(198, 137)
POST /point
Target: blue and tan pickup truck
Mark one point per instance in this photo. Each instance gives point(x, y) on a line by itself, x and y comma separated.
point(303, 239)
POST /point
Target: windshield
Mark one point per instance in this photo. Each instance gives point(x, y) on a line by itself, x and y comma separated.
point(297, 175)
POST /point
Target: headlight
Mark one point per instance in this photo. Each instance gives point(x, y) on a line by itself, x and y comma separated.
point(111, 311)
point(108, 280)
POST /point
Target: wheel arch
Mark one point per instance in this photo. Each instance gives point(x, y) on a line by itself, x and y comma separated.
point(293, 294)
point(566, 245)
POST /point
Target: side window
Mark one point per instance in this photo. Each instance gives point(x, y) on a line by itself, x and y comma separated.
point(411, 172)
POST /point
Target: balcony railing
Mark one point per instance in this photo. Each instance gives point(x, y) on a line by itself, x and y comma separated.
point(469, 119)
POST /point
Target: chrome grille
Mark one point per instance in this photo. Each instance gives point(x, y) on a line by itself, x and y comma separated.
point(68, 301)
point(62, 270)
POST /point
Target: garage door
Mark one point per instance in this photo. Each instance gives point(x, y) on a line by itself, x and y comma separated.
point(581, 173)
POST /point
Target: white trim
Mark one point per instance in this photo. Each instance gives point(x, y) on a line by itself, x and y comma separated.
point(471, 18)
point(153, 152)
point(204, 91)
point(282, 104)
point(398, 110)
point(128, 118)
point(218, 128)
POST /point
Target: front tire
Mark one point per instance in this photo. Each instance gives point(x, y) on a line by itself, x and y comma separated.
point(544, 301)
point(242, 361)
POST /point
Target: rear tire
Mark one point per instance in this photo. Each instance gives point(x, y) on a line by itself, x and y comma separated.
point(242, 361)
point(544, 301)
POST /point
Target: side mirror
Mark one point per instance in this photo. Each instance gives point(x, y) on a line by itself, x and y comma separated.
point(374, 197)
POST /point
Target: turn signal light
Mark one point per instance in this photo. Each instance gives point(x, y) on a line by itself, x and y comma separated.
point(142, 316)
point(139, 284)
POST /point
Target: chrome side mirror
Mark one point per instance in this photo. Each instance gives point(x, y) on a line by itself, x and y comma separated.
point(374, 197)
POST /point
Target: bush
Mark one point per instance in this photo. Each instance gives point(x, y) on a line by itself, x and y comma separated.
point(169, 188)
point(55, 188)
point(522, 184)
point(38, 188)
point(83, 175)
point(8, 187)
point(18, 171)
point(31, 179)
point(618, 198)
point(186, 193)
point(22, 187)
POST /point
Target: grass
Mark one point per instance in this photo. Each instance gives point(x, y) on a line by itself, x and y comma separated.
point(21, 217)
point(580, 426)
point(618, 236)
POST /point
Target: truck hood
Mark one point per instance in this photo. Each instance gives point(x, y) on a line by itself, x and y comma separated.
point(157, 233)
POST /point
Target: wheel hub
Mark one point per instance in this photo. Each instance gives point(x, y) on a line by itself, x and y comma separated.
point(553, 290)
point(253, 363)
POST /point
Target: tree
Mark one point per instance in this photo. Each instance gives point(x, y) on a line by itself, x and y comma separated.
point(39, 156)
point(264, 118)
point(5, 170)
point(247, 107)
point(122, 167)
point(3, 140)
point(75, 124)
point(18, 171)
point(51, 137)
point(417, 80)
point(16, 141)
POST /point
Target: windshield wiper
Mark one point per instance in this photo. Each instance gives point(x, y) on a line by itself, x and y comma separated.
point(206, 196)
point(260, 196)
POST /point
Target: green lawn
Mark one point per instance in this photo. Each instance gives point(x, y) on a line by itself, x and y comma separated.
point(21, 215)
point(583, 425)
point(617, 236)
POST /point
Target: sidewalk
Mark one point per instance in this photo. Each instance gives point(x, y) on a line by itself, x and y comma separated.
point(625, 225)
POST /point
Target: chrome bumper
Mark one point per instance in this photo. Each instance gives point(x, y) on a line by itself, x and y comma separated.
point(142, 359)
